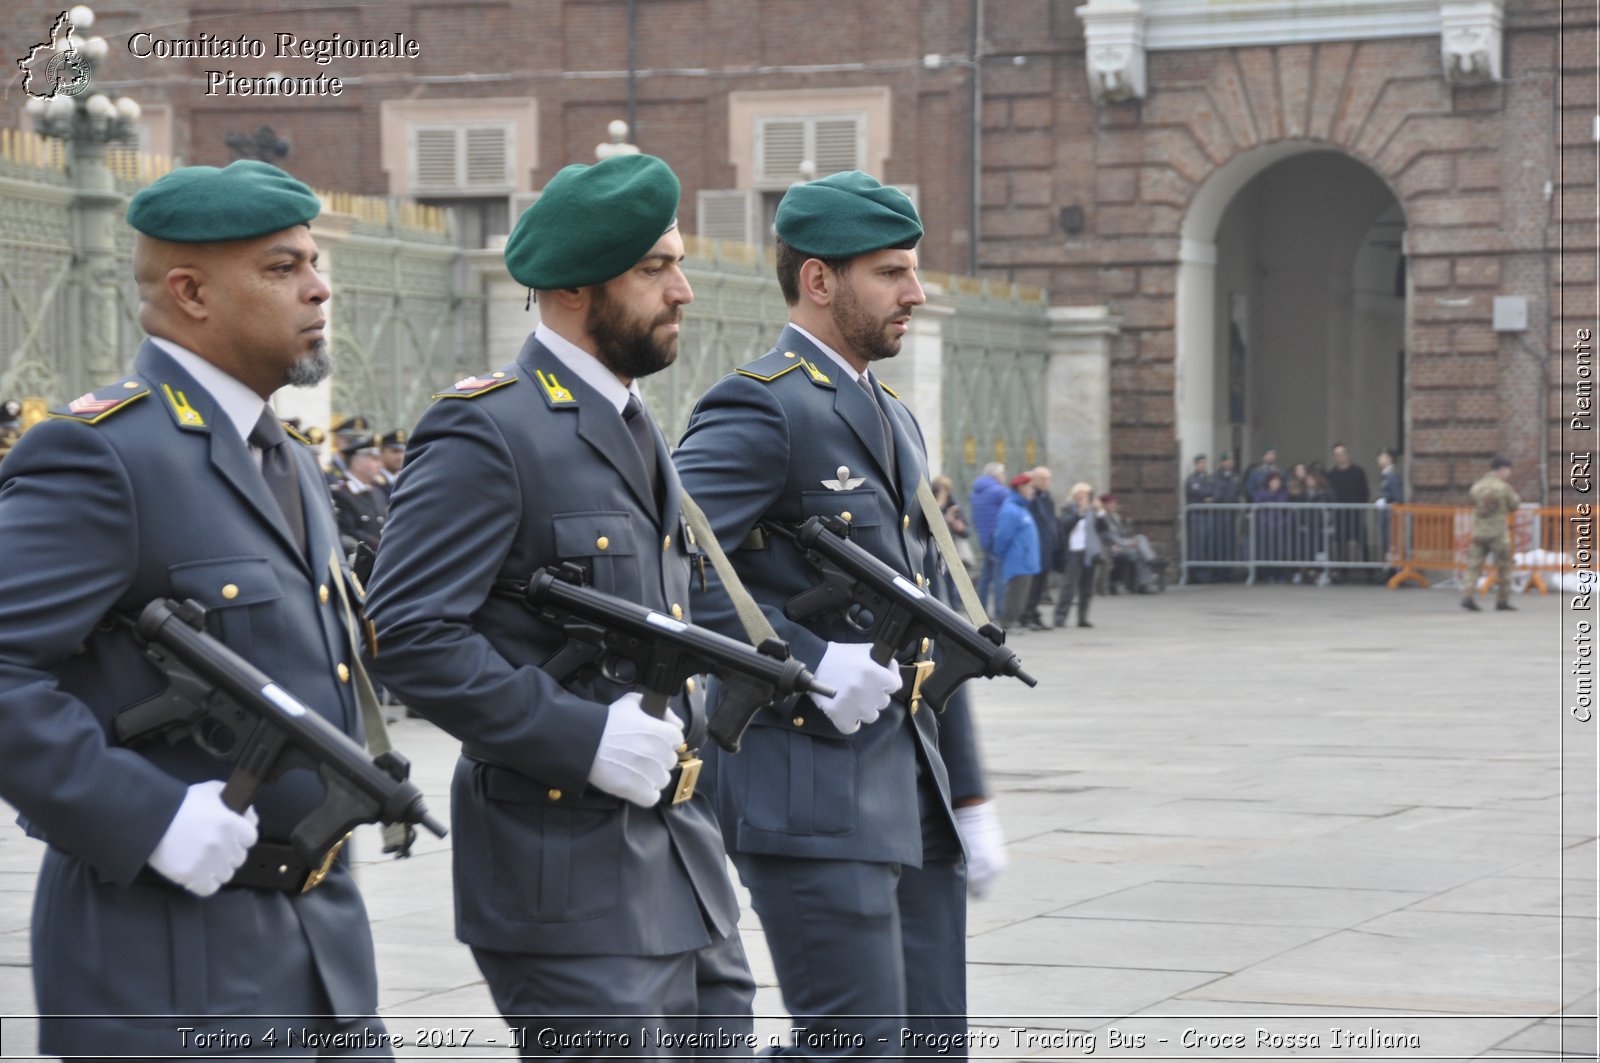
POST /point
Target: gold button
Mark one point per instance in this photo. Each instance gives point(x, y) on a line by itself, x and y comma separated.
point(601, 543)
point(789, 354)
point(230, 591)
point(905, 522)
point(677, 611)
point(919, 579)
point(688, 685)
point(554, 794)
point(344, 672)
point(498, 376)
point(925, 644)
point(130, 384)
point(666, 542)
point(322, 594)
point(845, 515)
point(799, 721)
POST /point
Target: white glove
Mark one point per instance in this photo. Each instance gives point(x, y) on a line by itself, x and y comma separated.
point(206, 841)
point(637, 752)
point(863, 685)
point(979, 827)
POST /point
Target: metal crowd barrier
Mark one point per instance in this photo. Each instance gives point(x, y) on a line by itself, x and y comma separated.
point(1312, 541)
point(1279, 541)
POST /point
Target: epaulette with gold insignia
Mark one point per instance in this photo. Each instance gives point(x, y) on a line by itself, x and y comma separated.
point(472, 386)
point(775, 364)
point(96, 406)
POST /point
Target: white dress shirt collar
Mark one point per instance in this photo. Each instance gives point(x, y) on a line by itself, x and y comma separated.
point(586, 366)
point(242, 405)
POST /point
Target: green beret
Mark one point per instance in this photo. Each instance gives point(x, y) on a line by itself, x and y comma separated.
point(846, 214)
point(592, 223)
point(203, 205)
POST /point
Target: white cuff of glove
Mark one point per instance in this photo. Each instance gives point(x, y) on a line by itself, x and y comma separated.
point(206, 841)
point(637, 752)
point(985, 842)
point(864, 686)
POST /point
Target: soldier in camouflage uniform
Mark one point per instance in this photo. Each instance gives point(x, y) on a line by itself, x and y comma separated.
point(1493, 502)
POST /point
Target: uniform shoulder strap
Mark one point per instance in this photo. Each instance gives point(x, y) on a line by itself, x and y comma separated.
point(757, 627)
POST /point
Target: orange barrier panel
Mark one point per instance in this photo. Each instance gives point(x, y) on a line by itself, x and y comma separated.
point(1547, 539)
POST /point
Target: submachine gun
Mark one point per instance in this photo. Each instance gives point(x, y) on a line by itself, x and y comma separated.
point(234, 711)
point(628, 643)
point(895, 613)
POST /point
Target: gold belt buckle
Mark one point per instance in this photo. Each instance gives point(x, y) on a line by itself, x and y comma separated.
point(314, 879)
point(688, 775)
point(924, 670)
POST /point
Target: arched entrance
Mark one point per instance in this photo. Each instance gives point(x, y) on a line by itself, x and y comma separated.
point(1291, 309)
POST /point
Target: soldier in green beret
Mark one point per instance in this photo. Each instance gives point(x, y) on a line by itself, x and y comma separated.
point(1493, 502)
point(858, 823)
point(155, 897)
point(591, 887)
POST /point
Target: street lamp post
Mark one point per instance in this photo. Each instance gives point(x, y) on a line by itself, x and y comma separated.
point(88, 123)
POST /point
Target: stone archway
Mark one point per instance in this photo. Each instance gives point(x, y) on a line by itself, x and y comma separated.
point(1290, 319)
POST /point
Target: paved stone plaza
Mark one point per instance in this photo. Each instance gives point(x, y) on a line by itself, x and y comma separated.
point(1292, 810)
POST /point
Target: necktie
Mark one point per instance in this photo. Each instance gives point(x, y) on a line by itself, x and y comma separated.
point(277, 468)
point(639, 427)
point(883, 420)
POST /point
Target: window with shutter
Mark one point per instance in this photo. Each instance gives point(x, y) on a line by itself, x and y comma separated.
point(840, 144)
point(474, 158)
point(830, 142)
point(487, 161)
point(781, 148)
point(433, 157)
point(724, 214)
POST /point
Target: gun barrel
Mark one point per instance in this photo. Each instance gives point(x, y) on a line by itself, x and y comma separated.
point(947, 625)
point(399, 799)
point(715, 652)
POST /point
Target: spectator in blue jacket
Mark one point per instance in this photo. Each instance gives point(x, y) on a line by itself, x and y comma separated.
point(988, 491)
point(1016, 548)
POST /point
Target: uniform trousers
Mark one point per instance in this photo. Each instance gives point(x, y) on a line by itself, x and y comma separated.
point(1477, 554)
point(871, 957)
point(684, 1006)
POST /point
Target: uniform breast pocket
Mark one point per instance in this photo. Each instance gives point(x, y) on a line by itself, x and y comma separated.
point(240, 596)
point(857, 508)
point(604, 542)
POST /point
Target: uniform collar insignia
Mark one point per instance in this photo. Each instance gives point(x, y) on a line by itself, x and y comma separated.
point(553, 391)
point(187, 415)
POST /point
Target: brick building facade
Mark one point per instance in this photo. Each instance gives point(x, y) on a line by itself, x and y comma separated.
point(1114, 202)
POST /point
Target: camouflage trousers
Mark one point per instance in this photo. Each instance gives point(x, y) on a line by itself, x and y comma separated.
point(1501, 549)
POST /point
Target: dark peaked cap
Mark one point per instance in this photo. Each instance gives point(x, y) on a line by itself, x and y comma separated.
point(846, 214)
point(592, 223)
point(204, 205)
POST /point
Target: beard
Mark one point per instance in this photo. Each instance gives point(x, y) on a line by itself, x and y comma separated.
point(311, 370)
point(627, 346)
point(863, 334)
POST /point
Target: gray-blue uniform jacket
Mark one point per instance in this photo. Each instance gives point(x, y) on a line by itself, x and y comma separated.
point(759, 447)
point(523, 468)
point(144, 490)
